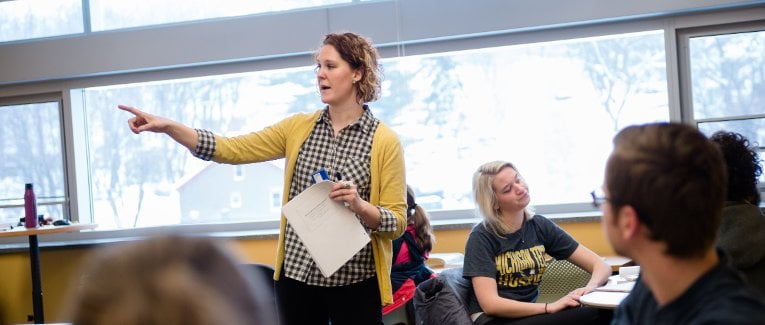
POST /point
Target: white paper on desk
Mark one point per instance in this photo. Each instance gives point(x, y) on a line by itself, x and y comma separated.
point(617, 284)
point(330, 231)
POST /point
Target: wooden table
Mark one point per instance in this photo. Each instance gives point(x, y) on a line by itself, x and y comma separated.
point(34, 258)
point(442, 261)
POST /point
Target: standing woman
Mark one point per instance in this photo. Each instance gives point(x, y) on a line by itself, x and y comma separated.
point(505, 256)
point(358, 151)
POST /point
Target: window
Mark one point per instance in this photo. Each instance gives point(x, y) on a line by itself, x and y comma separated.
point(236, 200)
point(238, 173)
point(31, 146)
point(21, 20)
point(147, 174)
point(29, 19)
point(107, 14)
point(551, 108)
point(726, 66)
point(541, 106)
point(276, 199)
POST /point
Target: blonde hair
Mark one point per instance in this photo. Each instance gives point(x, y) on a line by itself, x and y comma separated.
point(486, 198)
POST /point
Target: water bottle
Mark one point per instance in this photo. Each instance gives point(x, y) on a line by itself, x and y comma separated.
point(30, 207)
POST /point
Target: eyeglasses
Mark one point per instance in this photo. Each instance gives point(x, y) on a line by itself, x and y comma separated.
point(598, 198)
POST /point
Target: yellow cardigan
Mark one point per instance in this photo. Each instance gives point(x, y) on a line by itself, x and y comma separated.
point(387, 184)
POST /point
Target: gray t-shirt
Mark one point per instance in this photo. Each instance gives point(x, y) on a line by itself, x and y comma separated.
point(517, 261)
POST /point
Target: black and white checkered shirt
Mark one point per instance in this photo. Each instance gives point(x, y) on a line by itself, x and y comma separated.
point(345, 157)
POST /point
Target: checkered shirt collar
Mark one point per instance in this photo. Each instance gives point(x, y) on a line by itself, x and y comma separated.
point(366, 123)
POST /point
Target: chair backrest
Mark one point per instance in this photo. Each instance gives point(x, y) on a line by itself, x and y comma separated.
point(560, 278)
point(264, 274)
point(441, 300)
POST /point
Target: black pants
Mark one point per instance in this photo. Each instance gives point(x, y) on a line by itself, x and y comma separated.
point(303, 304)
point(577, 315)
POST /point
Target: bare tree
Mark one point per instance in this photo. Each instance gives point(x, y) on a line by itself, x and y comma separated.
point(622, 68)
point(728, 75)
point(120, 160)
point(32, 151)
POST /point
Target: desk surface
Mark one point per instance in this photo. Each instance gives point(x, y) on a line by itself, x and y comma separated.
point(42, 230)
point(603, 299)
point(610, 295)
point(442, 261)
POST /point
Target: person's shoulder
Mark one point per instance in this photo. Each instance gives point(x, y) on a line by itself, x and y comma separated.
point(297, 120)
point(304, 116)
point(385, 140)
point(735, 302)
point(384, 130)
point(740, 295)
point(741, 208)
point(540, 221)
point(742, 215)
point(479, 232)
point(539, 218)
point(545, 224)
point(479, 228)
point(738, 307)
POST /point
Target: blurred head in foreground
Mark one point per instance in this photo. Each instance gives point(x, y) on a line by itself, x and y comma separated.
point(166, 280)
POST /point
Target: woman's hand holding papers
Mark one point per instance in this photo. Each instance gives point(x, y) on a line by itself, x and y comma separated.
point(345, 191)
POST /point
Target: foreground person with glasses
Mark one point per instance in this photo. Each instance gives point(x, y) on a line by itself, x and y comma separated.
point(664, 192)
point(505, 257)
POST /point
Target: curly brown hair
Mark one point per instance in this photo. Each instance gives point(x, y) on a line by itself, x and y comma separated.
point(360, 55)
point(743, 166)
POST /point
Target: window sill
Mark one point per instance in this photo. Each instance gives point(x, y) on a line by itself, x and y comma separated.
point(250, 230)
point(467, 223)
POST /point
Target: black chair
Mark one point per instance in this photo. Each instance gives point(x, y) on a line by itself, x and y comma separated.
point(263, 276)
point(442, 300)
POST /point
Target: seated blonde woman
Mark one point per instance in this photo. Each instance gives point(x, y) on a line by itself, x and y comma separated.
point(505, 256)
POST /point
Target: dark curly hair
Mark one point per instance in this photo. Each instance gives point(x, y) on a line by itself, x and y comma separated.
point(743, 166)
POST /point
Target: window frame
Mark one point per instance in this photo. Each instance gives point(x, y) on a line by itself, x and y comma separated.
point(46, 97)
point(683, 38)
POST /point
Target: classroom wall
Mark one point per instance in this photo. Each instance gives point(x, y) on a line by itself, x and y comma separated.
point(59, 267)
